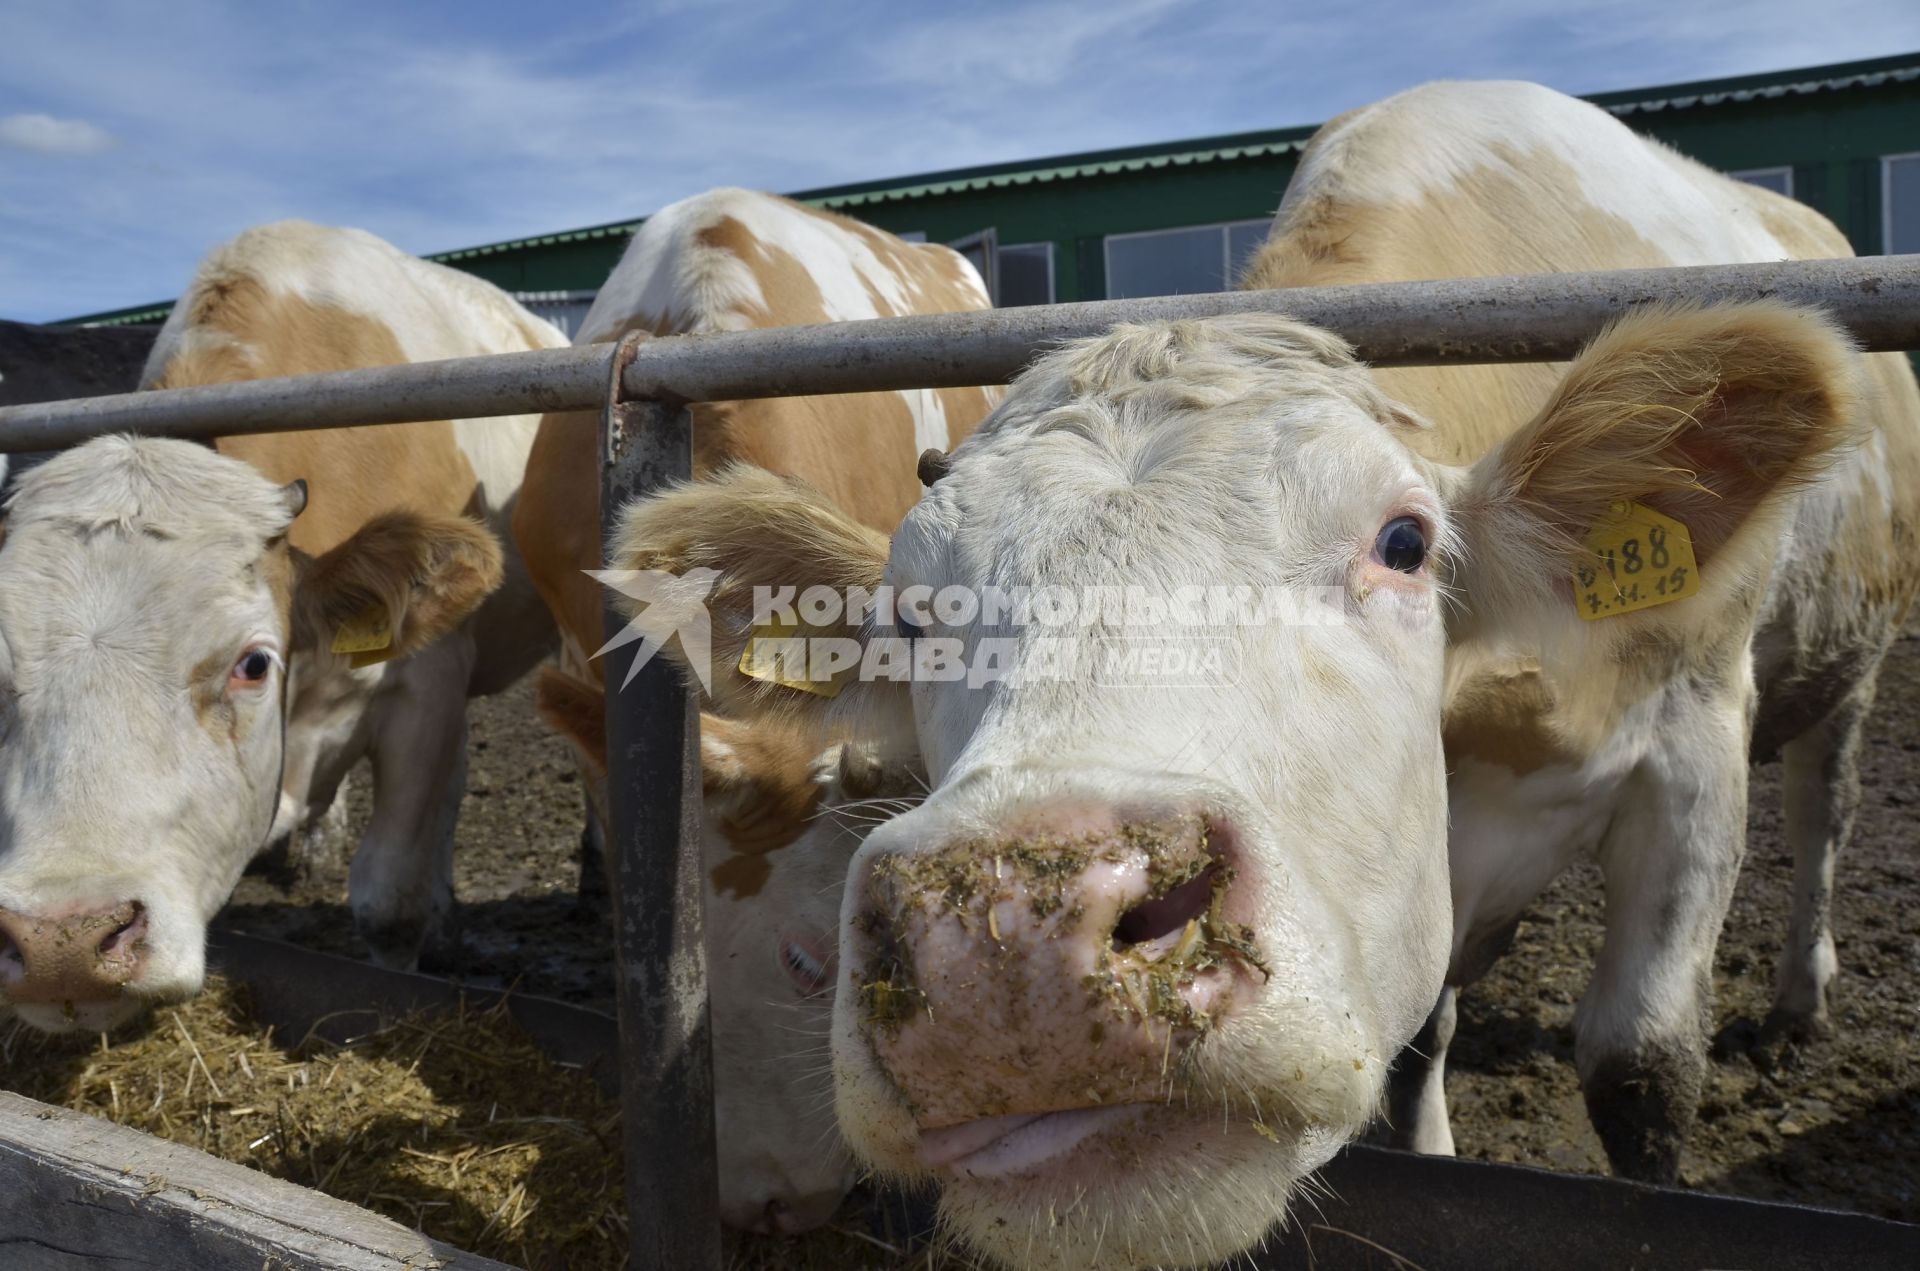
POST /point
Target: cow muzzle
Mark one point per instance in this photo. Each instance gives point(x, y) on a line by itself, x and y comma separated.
point(1075, 963)
point(78, 958)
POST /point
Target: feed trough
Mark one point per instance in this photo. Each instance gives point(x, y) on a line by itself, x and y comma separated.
point(1381, 1208)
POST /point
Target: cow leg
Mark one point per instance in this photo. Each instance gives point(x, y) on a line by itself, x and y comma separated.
point(1417, 1086)
point(401, 883)
point(325, 840)
point(595, 889)
point(1670, 857)
point(1503, 851)
point(1821, 796)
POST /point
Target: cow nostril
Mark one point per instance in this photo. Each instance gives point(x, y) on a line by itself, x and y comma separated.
point(13, 959)
point(1154, 919)
point(131, 929)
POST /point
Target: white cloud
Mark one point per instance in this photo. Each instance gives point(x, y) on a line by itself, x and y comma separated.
point(47, 135)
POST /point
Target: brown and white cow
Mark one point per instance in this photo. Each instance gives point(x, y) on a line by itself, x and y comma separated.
point(169, 614)
point(1455, 180)
point(732, 260)
point(739, 260)
point(1141, 960)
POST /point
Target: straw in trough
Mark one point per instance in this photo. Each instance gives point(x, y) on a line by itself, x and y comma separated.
point(457, 1125)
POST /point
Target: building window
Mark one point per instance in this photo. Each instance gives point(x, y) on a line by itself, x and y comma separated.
point(912, 236)
point(1900, 203)
point(982, 251)
point(1779, 180)
point(1175, 262)
point(564, 309)
point(1026, 274)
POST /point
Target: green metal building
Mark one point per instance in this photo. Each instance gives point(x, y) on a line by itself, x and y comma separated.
point(1180, 216)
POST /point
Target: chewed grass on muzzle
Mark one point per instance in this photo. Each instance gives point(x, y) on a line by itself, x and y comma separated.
point(1141, 969)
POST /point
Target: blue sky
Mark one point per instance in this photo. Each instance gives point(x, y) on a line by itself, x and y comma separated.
point(135, 135)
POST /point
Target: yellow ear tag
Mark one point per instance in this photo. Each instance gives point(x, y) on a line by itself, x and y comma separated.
point(777, 654)
point(367, 637)
point(1640, 558)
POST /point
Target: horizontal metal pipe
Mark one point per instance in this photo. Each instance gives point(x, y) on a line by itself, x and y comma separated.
point(1533, 318)
point(457, 388)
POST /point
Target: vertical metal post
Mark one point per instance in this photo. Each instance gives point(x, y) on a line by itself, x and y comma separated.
point(653, 843)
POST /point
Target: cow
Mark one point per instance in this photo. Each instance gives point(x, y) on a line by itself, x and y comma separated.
point(1141, 960)
point(1453, 180)
point(780, 820)
point(739, 260)
point(199, 641)
point(773, 912)
point(732, 260)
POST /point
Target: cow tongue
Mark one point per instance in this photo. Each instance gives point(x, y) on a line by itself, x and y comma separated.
point(1009, 1144)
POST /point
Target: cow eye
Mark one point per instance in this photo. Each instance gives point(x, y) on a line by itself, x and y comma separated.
point(807, 970)
point(1402, 545)
point(254, 666)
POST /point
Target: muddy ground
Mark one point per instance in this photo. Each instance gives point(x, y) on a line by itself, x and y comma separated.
point(1835, 1124)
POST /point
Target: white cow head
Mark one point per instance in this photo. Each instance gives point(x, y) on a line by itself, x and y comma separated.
point(149, 605)
point(1139, 962)
point(772, 937)
point(781, 823)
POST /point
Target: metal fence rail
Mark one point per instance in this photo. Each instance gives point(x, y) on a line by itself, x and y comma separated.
point(1532, 318)
point(640, 388)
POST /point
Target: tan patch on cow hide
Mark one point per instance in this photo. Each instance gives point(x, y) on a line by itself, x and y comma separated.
point(242, 330)
point(207, 688)
point(742, 875)
point(556, 525)
point(1505, 719)
point(757, 781)
point(1516, 214)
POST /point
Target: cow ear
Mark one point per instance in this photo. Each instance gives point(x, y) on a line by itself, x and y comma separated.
point(1710, 417)
point(749, 531)
point(401, 582)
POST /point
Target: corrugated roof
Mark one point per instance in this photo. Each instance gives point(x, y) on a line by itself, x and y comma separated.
point(999, 176)
point(1767, 92)
point(150, 314)
point(1060, 171)
point(613, 229)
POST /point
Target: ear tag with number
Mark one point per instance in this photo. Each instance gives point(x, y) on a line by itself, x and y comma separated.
point(1639, 558)
point(777, 654)
point(366, 638)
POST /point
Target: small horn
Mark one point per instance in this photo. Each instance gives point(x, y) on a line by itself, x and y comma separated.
point(295, 494)
point(934, 464)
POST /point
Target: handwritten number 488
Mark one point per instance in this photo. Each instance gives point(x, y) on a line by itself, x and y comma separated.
point(1632, 559)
